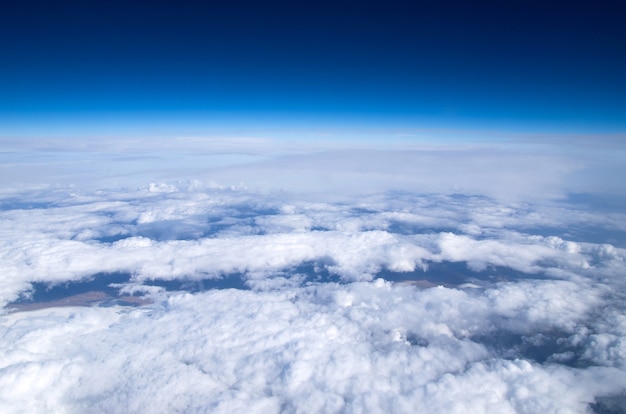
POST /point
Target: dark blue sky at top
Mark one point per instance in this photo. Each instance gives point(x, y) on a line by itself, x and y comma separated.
point(486, 64)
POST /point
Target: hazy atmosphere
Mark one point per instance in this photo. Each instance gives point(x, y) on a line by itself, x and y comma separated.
point(313, 207)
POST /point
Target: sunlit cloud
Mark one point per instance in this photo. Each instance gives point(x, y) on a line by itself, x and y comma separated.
point(213, 274)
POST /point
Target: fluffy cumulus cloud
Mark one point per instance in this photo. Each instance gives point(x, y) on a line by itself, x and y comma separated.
point(214, 293)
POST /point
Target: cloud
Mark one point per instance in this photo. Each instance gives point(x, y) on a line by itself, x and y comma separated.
point(436, 281)
point(363, 346)
point(209, 234)
point(517, 171)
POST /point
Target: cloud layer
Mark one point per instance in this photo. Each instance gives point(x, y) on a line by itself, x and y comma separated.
point(390, 297)
point(514, 171)
point(327, 348)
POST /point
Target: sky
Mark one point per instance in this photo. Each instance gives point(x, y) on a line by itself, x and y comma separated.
point(141, 68)
point(311, 207)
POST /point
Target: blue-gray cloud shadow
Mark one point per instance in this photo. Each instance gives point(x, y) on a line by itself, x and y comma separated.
point(192, 227)
point(43, 292)
point(456, 273)
point(610, 404)
point(449, 274)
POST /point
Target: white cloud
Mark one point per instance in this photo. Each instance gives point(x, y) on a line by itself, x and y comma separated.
point(386, 348)
point(208, 233)
point(512, 301)
point(515, 172)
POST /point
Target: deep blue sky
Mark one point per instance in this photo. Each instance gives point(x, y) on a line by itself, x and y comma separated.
point(69, 66)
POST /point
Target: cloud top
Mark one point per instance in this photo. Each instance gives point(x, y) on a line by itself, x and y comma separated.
point(318, 280)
